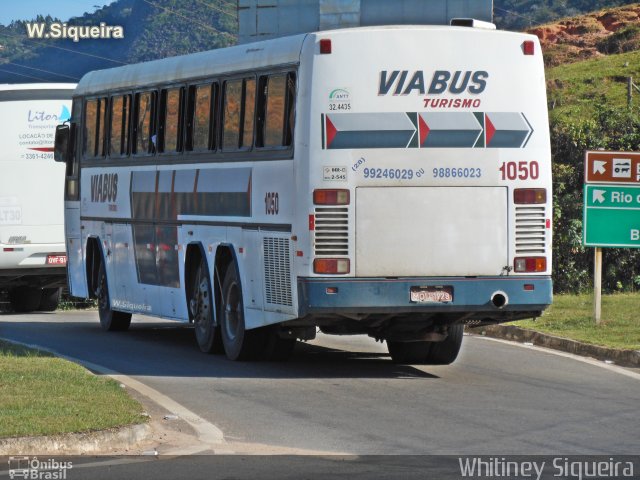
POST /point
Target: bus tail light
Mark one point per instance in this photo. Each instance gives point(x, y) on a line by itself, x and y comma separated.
point(528, 47)
point(325, 46)
point(331, 266)
point(529, 196)
point(331, 197)
point(530, 264)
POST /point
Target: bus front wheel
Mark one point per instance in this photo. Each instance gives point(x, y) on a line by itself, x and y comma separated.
point(239, 343)
point(110, 320)
point(201, 304)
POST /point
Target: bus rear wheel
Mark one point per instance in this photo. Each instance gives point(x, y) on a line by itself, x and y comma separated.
point(445, 352)
point(201, 304)
point(428, 353)
point(25, 299)
point(110, 320)
point(239, 343)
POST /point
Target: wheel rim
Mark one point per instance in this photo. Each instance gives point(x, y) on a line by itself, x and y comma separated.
point(232, 312)
point(201, 298)
point(103, 297)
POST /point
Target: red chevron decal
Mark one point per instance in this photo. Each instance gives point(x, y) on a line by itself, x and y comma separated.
point(331, 132)
point(489, 129)
point(424, 130)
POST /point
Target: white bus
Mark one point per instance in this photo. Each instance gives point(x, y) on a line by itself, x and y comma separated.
point(32, 247)
point(389, 181)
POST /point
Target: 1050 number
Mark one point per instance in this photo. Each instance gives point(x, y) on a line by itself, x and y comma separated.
point(520, 170)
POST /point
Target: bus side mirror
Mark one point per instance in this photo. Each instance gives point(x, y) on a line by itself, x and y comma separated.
point(61, 146)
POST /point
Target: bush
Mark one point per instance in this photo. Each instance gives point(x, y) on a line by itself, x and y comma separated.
point(611, 129)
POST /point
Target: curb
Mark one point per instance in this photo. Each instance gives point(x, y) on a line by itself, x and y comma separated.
point(99, 442)
point(623, 358)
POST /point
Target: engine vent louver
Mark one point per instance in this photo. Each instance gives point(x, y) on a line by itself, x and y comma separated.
point(331, 231)
point(277, 271)
point(531, 231)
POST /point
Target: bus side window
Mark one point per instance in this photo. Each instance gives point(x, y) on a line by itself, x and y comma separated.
point(248, 112)
point(119, 133)
point(144, 138)
point(201, 116)
point(90, 128)
point(101, 147)
point(239, 113)
point(270, 117)
point(170, 125)
point(232, 102)
point(275, 111)
point(290, 110)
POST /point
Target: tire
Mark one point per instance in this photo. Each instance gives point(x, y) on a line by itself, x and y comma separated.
point(201, 305)
point(409, 352)
point(50, 299)
point(110, 320)
point(25, 299)
point(428, 353)
point(278, 349)
point(239, 343)
point(446, 352)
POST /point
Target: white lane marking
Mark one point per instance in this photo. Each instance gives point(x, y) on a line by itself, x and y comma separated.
point(559, 353)
point(207, 432)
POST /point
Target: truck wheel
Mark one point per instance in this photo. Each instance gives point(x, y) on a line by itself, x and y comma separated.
point(110, 320)
point(409, 352)
point(239, 343)
point(50, 299)
point(25, 299)
point(201, 304)
point(445, 352)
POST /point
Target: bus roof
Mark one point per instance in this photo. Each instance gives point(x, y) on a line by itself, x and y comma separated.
point(281, 51)
point(246, 57)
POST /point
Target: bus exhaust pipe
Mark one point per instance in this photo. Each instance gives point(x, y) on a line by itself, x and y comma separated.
point(499, 299)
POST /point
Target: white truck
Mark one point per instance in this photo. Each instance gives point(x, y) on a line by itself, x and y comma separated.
point(32, 249)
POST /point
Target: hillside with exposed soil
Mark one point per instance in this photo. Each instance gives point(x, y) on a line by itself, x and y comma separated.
point(604, 32)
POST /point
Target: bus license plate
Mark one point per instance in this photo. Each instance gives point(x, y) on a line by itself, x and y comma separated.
point(431, 294)
point(56, 259)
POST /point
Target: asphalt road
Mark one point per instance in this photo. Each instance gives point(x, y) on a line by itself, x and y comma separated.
point(343, 394)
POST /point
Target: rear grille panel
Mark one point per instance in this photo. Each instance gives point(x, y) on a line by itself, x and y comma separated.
point(531, 231)
point(331, 235)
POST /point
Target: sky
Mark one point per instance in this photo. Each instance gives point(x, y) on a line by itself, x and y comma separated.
point(63, 9)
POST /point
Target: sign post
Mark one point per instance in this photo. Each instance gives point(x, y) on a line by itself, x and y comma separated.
point(611, 208)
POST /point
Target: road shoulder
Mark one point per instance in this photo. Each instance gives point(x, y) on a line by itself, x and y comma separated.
point(622, 358)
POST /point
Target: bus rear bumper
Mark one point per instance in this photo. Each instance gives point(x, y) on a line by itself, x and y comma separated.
point(473, 298)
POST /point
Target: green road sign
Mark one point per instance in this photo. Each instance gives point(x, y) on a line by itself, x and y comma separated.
point(611, 216)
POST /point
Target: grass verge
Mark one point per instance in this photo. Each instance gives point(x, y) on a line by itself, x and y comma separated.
point(575, 88)
point(571, 316)
point(44, 395)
